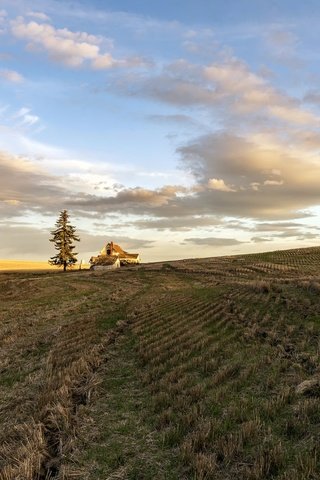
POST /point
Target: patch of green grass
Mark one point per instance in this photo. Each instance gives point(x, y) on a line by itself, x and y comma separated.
point(126, 435)
point(108, 319)
point(10, 377)
point(209, 293)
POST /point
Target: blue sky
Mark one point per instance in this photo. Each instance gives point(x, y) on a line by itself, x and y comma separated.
point(177, 129)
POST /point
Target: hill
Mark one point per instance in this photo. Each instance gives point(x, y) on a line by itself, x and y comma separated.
point(194, 369)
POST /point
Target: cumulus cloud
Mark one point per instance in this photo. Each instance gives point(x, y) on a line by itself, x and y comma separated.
point(137, 201)
point(24, 187)
point(229, 84)
point(73, 49)
point(286, 186)
point(62, 45)
point(244, 164)
point(11, 76)
point(218, 184)
point(102, 62)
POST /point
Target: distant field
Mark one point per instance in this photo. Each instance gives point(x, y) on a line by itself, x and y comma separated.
point(17, 265)
point(188, 370)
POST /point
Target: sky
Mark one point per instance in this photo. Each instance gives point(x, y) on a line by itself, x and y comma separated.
point(177, 129)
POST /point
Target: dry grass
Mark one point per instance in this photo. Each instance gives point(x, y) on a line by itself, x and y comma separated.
point(199, 370)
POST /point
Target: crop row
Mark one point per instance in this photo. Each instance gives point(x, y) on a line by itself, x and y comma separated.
point(218, 391)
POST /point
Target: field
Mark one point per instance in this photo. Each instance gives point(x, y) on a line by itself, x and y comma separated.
point(18, 265)
point(195, 369)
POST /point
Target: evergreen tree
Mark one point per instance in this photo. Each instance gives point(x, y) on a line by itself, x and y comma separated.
point(63, 237)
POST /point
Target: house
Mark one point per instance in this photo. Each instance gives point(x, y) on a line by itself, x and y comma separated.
point(104, 263)
point(112, 252)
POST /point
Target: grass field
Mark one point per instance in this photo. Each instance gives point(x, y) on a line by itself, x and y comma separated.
point(194, 369)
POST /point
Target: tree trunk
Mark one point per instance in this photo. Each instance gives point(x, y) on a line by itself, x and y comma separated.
point(64, 266)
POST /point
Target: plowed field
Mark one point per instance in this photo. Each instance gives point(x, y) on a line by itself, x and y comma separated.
point(195, 369)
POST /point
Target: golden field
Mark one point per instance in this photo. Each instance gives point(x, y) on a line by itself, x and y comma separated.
point(18, 265)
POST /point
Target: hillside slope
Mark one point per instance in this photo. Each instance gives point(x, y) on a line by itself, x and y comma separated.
point(205, 369)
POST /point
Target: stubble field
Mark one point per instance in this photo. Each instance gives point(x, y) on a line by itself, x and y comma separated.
point(196, 369)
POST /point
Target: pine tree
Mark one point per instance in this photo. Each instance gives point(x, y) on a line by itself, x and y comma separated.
point(63, 237)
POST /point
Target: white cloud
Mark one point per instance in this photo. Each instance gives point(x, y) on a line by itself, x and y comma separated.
point(39, 15)
point(233, 77)
point(255, 186)
point(218, 184)
point(273, 182)
point(103, 61)
point(11, 76)
point(62, 45)
point(73, 49)
point(26, 118)
point(228, 88)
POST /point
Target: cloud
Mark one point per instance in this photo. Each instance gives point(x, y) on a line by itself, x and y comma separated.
point(3, 21)
point(273, 182)
point(285, 187)
point(11, 76)
point(24, 188)
point(283, 46)
point(131, 200)
point(175, 224)
point(229, 87)
point(94, 243)
point(276, 226)
point(312, 96)
point(214, 241)
point(62, 45)
point(72, 49)
point(218, 184)
point(39, 16)
point(173, 118)
point(26, 118)
point(280, 38)
point(244, 164)
point(261, 239)
point(101, 62)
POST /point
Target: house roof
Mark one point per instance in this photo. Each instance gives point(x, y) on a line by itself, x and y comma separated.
point(122, 253)
point(105, 260)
